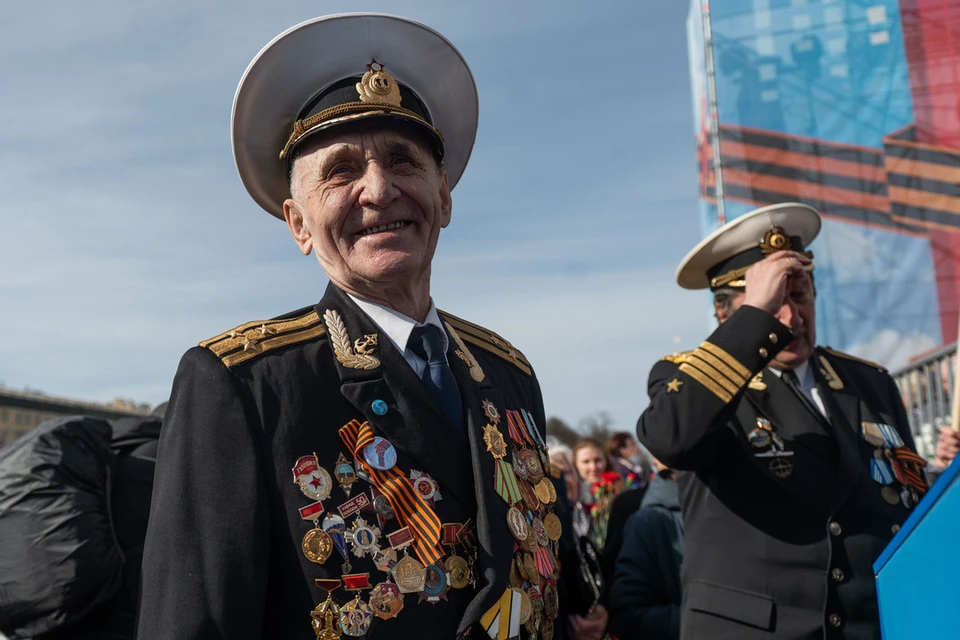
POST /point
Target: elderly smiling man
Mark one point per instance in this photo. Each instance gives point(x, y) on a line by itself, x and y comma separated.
point(368, 465)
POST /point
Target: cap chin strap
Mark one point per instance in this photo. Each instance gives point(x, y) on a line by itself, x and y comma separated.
point(345, 111)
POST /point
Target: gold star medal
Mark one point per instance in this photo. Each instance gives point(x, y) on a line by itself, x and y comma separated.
point(495, 443)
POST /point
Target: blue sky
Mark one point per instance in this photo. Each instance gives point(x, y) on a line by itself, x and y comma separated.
point(127, 237)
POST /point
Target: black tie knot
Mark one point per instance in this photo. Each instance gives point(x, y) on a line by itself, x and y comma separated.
point(791, 377)
point(427, 342)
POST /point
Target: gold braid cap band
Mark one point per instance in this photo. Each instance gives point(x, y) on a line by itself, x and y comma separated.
point(348, 111)
point(736, 278)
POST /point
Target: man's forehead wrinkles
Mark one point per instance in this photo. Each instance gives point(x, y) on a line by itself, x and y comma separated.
point(368, 144)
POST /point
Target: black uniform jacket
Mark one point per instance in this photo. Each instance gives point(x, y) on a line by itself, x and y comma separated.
point(223, 554)
point(776, 546)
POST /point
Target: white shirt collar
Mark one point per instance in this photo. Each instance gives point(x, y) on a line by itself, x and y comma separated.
point(802, 370)
point(398, 326)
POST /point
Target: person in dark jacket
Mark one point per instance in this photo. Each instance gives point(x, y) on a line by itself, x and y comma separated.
point(645, 593)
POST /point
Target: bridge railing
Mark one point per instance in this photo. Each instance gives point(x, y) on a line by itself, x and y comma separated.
point(926, 387)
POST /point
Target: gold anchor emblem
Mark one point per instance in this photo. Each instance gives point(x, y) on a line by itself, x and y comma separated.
point(343, 350)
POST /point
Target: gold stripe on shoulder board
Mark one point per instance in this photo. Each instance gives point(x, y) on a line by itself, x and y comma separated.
point(847, 356)
point(254, 338)
point(488, 341)
point(677, 358)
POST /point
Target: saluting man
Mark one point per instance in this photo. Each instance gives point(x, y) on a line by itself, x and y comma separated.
point(797, 461)
point(368, 466)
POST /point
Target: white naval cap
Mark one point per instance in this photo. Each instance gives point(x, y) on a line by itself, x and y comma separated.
point(343, 69)
point(722, 258)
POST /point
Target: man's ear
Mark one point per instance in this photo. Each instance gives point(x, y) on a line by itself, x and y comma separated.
point(446, 201)
point(720, 313)
point(293, 214)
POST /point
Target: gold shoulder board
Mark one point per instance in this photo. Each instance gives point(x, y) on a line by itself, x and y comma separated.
point(677, 358)
point(847, 356)
point(255, 338)
point(488, 341)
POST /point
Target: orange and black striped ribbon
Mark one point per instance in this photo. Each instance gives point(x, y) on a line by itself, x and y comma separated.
point(411, 510)
point(908, 467)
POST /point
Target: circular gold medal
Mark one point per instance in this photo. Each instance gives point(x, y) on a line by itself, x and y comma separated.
point(516, 579)
point(552, 524)
point(540, 532)
point(545, 491)
point(551, 601)
point(532, 463)
point(526, 607)
point(530, 544)
point(546, 630)
point(317, 546)
point(530, 568)
point(890, 495)
point(517, 523)
point(459, 571)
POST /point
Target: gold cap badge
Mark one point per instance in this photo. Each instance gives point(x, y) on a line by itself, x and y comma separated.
point(377, 85)
point(774, 240)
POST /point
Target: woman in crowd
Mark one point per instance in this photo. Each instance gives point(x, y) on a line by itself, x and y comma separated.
point(628, 459)
point(590, 460)
point(598, 486)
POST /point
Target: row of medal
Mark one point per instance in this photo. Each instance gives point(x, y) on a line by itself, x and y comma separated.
point(894, 465)
point(523, 483)
point(768, 444)
point(369, 514)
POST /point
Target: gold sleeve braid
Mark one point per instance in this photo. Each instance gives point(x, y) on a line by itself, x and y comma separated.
point(718, 371)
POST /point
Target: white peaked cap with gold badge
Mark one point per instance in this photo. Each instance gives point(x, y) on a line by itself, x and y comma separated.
point(722, 258)
point(341, 70)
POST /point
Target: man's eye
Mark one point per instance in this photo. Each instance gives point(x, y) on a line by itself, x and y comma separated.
point(400, 159)
point(338, 170)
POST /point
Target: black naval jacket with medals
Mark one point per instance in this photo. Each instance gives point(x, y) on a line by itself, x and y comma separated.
point(785, 511)
point(240, 547)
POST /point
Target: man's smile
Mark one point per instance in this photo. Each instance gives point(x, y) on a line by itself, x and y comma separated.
point(399, 224)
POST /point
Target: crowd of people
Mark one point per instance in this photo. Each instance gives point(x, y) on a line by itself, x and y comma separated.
point(370, 465)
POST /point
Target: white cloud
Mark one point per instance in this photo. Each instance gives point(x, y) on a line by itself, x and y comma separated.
point(892, 349)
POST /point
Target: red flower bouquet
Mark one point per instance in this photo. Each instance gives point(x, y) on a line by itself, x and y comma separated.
point(603, 491)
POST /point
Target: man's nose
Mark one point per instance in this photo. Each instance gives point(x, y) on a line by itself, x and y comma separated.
point(789, 315)
point(377, 185)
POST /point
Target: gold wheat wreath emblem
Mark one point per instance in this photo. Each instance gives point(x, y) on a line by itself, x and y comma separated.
point(342, 347)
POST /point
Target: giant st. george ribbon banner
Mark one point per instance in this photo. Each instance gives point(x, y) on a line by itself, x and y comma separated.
point(852, 107)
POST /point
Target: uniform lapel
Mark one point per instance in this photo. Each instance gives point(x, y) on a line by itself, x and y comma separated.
point(496, 544)
point(414, 422)
point(844, 407)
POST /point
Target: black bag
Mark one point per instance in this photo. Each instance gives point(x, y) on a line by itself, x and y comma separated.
point(59, 557)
